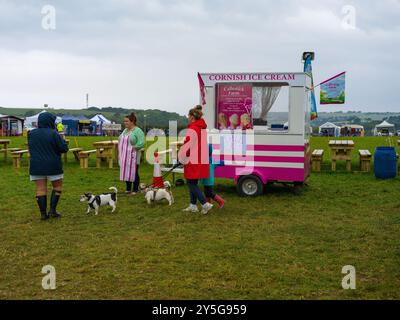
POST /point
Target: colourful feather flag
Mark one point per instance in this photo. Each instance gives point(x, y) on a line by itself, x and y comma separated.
point(202, 89)
point(308, 69)
point(333, 90)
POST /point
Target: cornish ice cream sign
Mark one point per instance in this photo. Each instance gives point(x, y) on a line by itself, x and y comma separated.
point(293, 79)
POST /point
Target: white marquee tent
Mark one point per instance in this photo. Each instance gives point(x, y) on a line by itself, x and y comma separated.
point(384, 128)
point(31, 122)
point(100, 119)
point(329, 129)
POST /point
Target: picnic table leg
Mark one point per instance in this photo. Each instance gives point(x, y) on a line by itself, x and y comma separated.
point(116, 153)
point(82, 163)
point(5, 152)
point(333, 165)
point(76, 155)
point(98, 162)
point(17, 162)
point(348, 165)
point(110, 162)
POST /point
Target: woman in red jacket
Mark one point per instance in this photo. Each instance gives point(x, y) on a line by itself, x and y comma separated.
point(194, 155)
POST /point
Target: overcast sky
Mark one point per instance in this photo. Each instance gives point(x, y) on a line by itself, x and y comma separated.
point(146, 53)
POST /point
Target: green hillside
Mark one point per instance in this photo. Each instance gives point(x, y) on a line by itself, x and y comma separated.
point(154, 118)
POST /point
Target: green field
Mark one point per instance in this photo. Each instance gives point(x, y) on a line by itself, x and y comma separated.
point(286, 244)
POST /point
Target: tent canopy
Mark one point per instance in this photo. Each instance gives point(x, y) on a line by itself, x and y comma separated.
point(385, 124)
point(11, 117)
point(30, 121)
point(82, 118)
point(100, 119)
point(329, 125)
point(69, 117)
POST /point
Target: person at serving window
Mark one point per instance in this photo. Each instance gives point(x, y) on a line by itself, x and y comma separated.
point(130, 142)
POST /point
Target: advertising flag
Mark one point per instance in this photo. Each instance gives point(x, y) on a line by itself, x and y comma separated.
point(333, 90)
point(202, 89)
point(308, 69)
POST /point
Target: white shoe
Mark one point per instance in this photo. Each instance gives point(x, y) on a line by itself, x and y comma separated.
point(192, 209)
point(206, 208)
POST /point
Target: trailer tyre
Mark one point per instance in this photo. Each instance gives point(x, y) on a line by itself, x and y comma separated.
point(250, 186)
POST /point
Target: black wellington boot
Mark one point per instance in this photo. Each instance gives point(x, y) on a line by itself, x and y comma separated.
point(53, 204)
point(42, 203)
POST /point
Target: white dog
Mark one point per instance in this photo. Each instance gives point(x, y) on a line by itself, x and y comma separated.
point(155, 195)
point(95, 202)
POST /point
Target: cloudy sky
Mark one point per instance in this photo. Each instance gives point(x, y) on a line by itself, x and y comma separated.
point(146, 53)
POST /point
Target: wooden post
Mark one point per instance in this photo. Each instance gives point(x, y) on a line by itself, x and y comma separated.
point(348, 165)
point(333, 165)
point(5, 152)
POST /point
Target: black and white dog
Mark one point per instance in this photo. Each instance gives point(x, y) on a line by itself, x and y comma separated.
point(95, 202)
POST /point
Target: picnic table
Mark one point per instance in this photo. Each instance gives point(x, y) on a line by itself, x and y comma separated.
point(341, 150)
point(5, 143)
point(114, 143)
point(104, 151)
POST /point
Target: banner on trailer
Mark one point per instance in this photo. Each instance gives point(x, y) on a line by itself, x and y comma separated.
point(234, 103)
point(202, 89)
point(308, 69)
point(333, 90)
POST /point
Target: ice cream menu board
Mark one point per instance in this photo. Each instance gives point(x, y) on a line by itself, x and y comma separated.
point(234, 103)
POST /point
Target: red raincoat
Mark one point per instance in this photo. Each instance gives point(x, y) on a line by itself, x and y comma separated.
point(194, 153)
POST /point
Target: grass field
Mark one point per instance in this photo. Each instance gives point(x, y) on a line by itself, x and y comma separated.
point(285, 244)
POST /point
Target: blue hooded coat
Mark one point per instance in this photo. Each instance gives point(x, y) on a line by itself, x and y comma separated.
point(45, 147)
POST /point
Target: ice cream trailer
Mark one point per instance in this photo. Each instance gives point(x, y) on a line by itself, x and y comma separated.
point(255, 152)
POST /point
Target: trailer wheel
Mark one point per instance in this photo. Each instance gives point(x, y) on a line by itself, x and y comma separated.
point(249, 186)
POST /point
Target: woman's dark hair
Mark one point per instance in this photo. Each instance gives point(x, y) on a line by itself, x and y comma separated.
point(132, 117)
point(196, 112)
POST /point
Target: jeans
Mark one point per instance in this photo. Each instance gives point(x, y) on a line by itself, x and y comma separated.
point(135, 183)
point(195, 192)
point(208, 190)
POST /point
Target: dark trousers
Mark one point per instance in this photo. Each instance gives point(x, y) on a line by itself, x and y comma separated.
point(209, 192)
point(195, 192)
point(135, 183)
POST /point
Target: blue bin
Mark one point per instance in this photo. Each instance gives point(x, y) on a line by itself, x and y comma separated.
point(385, 163)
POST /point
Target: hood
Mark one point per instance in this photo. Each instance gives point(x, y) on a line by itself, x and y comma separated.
point(47, 120)
point(199, 124)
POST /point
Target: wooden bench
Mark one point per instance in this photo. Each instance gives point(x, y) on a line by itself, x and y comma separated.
point(17, 156)
point(316, 159)
point(10, 150)
point(75, 151)
point(84, 158)
point(365, 160)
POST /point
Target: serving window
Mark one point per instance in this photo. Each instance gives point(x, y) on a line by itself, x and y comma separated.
point(252, 106)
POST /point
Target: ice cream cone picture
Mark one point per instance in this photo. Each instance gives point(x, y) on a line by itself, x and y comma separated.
point(158, 181)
